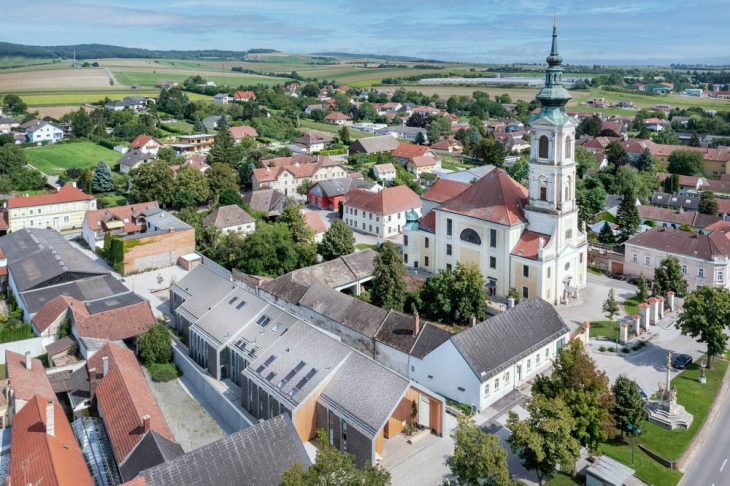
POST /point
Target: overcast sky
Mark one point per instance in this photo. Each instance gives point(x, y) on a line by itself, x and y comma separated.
point(591, 31)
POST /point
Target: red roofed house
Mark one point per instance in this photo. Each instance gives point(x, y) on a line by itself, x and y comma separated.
point(337, 118)
point(129, 218)
point(287, 178)
point(239, 133)
point(405, 152)
point(43, 448)
point(441, 191)
point(115, 319)
point(145, 144)
point(380, 213)
point(26, 379)
point(313, 221)
point(450, 145)
point(128, 408)
point(62, 210)
point(244, 96)
point(523, 239)
point(49, 317)
point(424, 164)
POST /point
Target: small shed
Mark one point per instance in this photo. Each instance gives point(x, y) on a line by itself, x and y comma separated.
point(609, 472)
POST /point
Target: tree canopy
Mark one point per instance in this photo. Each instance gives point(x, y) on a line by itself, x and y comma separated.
point(389, 278)
point(191, 188)
point(337, 241)
point(685, 162)
point(669, 276)
point(154, 345)
point(102, 179)
point(705, 316)
point(454, 296)
point(628, 409)
point(627, 217)
point(479, 458)
point(152, 182)
point(708, 204)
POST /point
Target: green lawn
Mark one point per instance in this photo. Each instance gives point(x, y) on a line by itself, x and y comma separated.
point(147, 78)
point(21, 331)
point(605, 216)
point(80, 97)
point(594, 271)
point(564, 479)
point(647, 469)
point(53, 159)
point(632, 306)
point(111, 200)
point(364, 246)
point(326, 127)
point(607, 329)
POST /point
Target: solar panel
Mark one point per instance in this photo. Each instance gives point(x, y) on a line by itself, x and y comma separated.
point(303, 382)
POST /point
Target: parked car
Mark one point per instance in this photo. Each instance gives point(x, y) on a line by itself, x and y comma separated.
point(681, 361)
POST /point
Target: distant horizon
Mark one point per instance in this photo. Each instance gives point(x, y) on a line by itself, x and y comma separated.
point(625, 33)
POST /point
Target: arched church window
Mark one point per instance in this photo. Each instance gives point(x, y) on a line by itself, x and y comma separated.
point(543, 147)
point(568, 148)
point(569, 181)
point(471, 236)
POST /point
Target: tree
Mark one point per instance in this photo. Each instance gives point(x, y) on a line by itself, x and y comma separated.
point(589, 126)
point(389, 278)
point(644, 132)
point(590, 201)
point(84, 181)
point(198, 126)
point(454, 296)
point(627, 216)
point(606, 235)
point(669, 276)
point(616, 154)
point(154, 345)
point(305, 186)
point(642, 292)
point(221, 176)
point(519, 170)
point(490, 151)
point(337, 241)
point(14, 104)
point(344, 135)
point(294, 219)
point(685, 162)
point(694, 140)
point(12, 158)
point(628, 405)
point(270, 250)
point(102, 179)
point(705, 317)
point(545, 439)
point(230, 196)
point(584, 390)
point(671, 184)
point(610, 306)
point(479, 458)
point(153, 182)
point(224, 150)
point(646, 161)
point(708, 204)
point(334, 468)
point(666, 136)
point(420, 138)
point(191, 188)
point(81, 123)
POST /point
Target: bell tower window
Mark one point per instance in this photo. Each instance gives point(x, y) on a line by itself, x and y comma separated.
point(568, 148)
point(543, 193)
point(567, 188)
point(543, 147)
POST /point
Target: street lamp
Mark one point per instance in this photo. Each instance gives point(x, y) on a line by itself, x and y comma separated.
point(634, 430)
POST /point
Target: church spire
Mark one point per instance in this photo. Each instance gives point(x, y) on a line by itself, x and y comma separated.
point(554, 58)
point(553, 97)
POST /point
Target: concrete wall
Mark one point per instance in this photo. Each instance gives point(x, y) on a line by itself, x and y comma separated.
point(35, 345)
point(203, 384)
point(158, 251)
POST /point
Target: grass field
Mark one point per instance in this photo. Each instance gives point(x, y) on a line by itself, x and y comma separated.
point(326, 127)
point(607, 329)
point(80, 97)
point(9, 334)
point(54, 159)
point(145, 78)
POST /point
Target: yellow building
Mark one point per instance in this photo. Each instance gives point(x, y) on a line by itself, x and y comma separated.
point(63, 210)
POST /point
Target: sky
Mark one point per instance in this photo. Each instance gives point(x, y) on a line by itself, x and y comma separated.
point(486, 31)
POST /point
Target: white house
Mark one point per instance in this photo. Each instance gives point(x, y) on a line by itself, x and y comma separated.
point(380, 213)
point(384, 172)
point(231, 219)
point(484, 363)
point(42, 131)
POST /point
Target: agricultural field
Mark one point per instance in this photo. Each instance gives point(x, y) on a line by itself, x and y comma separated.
point(54, 159)
point(326, 127)
point(526, 94)
point(150, 78)
point(54, 79)
point(58, 98)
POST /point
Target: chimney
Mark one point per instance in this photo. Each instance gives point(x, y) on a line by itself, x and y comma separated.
point(510, 302)
point(105, 365)
point(28, 361)
point(416, 323)
point(146, 423)
point(50, 419)
point(92, 383)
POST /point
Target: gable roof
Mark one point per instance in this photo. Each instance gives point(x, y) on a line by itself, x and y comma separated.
point(336, 115)
point(313, 221)
point(409, 150)
point(496, 197)
point(387, 168)
point(142, 140)
point(243, 131)
point(443, 190)
point(388, 201)
point(114, 318)
point(40, 458)
point(339, 186)
point(244, 95)
point(27, 383)
point(430, 338)
point(94, 219)
point(125, 398)
point(680, 242)
point(66, 194)
point(50, 312)
point(227, 216)
point(508, 337)
point(134, 157)
point(423, 161)
point(152, 450)
point(203, 288)
point(528, 246)
point(265, 200)
point(230, 460)
point(371, 145)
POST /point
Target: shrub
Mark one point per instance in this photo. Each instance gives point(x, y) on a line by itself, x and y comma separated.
point(163, 372)
point(625, 349)
point(602, 349)
point(154, 346)
point(612, 349)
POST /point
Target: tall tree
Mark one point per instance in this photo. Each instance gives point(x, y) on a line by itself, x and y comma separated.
point(708, 204)
point(646, 161)
point(81, 123)
point(628, 409)
point(454, 296)
point(610, 306)
point(606, 235)
point(479, 459)
point(642, 292)
point(685, 162)
point(420, 138)
point(344, 135)
point(671, 184)
point(337, 241)
point(694, 140)
point(152, 182)
point(294, 219)
point(520, 170)
point(12, 158)
point(389, 278)
point(102, 179)
point(705, 317)
point(490, 151)
point(627, 216)
point(191, 187)
point(589, 126)
point(221, 177)
point(224, 150)
point(545, 439)
point(616, 154)
point(584, 390)
point(669, 276)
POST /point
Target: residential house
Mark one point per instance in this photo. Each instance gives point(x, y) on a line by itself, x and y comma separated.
point(229, 459)
point(44, 449)
point(288, 178)
point(373, 145)
point(491, 359)
point(193, 143)
point(450, 145)
point(136, 103)
point(223, 98)
point(129, 411)
point(39, 131)
point(384, 172)
point(467, 176)
point(231, 219)
point(685, 202)
point(243, 131)
point(311, 142)
point(8, 124)
point(337, 118)
point(133, 159)
point(313, 221)
point(420, 165)
point(291, 160)
point(145, 144)
point(211, 122)
point(704, 258)
point(380, 213)
point(656, 124)
point(194, 161)
point(63, 210)
point(368, 127)
point(26, 379)
point(329, 194)
point(244, 96)
point(270, 202)
point(671, 218)
point(441, 191)
point(309, 109)
point(129, 218)
point(405, 152)
point(403, 132)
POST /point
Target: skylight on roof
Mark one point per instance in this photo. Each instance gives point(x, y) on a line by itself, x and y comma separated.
point(240, 305)
point(291, 374)
point(268, 361)
point(233, 299)
point(303, 382)
point(264, 321)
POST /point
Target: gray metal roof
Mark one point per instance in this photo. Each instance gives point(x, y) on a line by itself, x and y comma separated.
point(430, 338)
point(339, 186)
point(469, 175)
point(86, 289)
point(259, 335)
point(365, 391)
point(610, 471)
point(230, 315)
point(402, 130)
point(203, 288)
point(510, 336)
point(350, 312)
point(257, 455)
point(164, 220)
point(342, 271)
point(383, 143)
point(151, 450)
point(131, 158)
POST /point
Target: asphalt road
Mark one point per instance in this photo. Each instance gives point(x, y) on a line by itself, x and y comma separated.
point(711, 466)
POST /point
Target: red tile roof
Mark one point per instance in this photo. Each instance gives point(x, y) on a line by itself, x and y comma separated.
point(496, 197)
point(294, 159)
point(39, 458)
point(114, 324)
point(299, 171)
point(27, 383)
point(679, 242)
point(444, 189)
point(244, 95)
point(447, 143)
point(409, 150)
point(50, 311)
point(141, 141)
point(313, 220)
point(94, 219)
point(528, 245)
point(336, 115)
point(66, 194)
point(428, 222)
point(124, 398)
point(243, 131)
point(423, 161)
point(388, 201)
